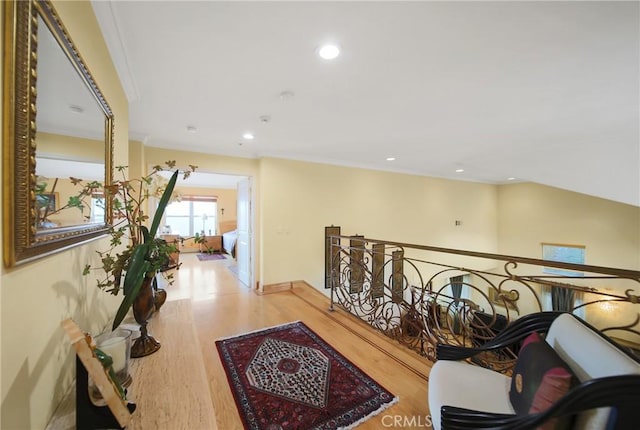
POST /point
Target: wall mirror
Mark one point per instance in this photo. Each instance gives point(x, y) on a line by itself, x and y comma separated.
point(57, 126)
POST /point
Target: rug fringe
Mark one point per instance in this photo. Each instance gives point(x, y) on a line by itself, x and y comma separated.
point(257, 330)
point(372, 414)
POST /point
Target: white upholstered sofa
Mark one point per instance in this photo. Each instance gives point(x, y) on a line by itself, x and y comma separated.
point(605, 394)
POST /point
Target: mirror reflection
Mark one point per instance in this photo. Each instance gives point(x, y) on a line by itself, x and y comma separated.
point(58, 126)
point(70, 140)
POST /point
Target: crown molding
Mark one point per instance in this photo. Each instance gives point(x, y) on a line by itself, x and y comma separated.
point(107, 17)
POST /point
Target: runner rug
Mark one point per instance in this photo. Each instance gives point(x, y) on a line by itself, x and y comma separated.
point(287, 377)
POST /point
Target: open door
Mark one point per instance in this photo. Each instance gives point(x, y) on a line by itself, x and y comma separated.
point(243, 243)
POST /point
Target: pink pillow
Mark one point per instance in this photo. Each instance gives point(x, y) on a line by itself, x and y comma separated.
point(532, 338)
point(540, 378)
point(555, 384)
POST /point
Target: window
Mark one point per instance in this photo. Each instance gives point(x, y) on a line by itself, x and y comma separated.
point(97, 208)
point(565, 254)
point(192, 215)
point(563, 299)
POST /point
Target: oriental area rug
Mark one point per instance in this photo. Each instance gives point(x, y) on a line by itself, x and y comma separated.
point(287, 377)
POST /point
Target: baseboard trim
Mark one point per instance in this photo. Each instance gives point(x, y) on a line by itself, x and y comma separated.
point(275, 288)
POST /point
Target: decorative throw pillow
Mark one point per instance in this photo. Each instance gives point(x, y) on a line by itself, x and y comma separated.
point(555, 384)
point(540, 378)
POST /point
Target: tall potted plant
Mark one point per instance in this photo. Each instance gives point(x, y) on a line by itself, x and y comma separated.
point(144, 255)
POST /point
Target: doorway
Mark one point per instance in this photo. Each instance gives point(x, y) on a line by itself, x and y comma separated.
point(233, 221)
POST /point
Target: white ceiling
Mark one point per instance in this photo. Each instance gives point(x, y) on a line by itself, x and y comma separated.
point(49, 167)
point(60, 89)
point(546, 92)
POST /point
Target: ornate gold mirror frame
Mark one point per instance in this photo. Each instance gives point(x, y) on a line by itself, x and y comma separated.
point(25, 236)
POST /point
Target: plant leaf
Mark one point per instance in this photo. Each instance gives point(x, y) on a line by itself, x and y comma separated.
point(164, 201)
point(145, 234)
point(138, 265)
point(128, 300)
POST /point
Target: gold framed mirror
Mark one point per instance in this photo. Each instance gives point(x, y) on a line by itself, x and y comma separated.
point(57, 126)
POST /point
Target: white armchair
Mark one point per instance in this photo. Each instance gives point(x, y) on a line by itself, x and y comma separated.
point(606, 395)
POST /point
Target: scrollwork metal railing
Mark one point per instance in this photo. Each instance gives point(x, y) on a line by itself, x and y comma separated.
point(423, 295)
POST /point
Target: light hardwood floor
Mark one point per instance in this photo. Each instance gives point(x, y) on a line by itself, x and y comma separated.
point(183, 385)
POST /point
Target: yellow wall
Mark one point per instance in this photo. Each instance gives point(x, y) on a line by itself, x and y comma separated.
point(227, 201)
point(296, 200)
point(209, 163)
point(299, 199)
point(529, 214)
point(37, 361)
point(81, 149)
point(135, 168)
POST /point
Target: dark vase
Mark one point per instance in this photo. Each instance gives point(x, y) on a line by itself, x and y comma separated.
point(159, 295)
point(411, 320)
point(412, 323)
point(143, 307)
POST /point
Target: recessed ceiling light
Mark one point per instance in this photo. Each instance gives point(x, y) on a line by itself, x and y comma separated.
point(459, 170)
point(76, 109)
point(191, 128)
point(391, 158)
point(511, 178)
point(329, 52)
point(248, 136)
point(286, 95)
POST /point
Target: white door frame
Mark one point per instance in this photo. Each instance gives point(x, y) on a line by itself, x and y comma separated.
point(250, 239)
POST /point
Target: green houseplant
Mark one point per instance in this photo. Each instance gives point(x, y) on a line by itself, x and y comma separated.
point(134, 268)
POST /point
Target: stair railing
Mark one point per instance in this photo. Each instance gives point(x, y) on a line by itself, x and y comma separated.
point(424, 295)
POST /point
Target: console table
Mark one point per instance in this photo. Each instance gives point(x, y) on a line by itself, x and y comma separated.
point(170, 387)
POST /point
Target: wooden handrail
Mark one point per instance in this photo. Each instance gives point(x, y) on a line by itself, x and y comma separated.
point(621, 273)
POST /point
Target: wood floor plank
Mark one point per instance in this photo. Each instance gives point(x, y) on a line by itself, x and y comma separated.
point(184, 386)
point(168, 385)
point(233, 309)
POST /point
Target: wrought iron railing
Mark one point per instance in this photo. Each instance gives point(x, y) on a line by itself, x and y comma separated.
point(424, 295)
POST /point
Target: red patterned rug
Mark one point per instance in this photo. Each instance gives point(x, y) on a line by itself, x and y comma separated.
point(287, 377)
